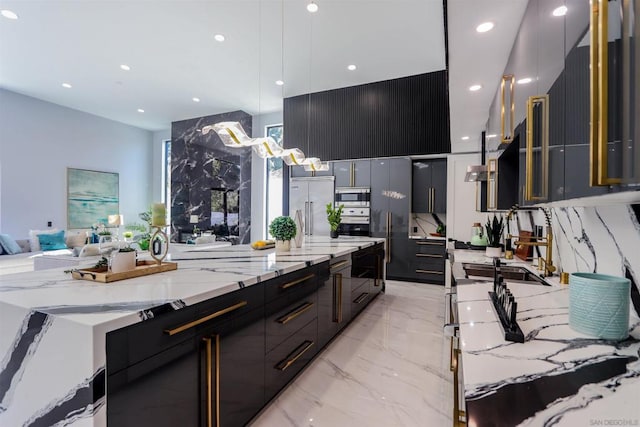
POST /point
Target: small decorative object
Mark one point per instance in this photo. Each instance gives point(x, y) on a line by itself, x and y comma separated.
point(599, 305)
point(494, 234)
point(260, 245)
point(193, 219)
point(158, 215)
point(299, 234)
point(334, 216)
point(158, 251)
point(123, 260)
point(283, 229)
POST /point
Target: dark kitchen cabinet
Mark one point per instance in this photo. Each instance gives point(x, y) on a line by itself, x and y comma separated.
point(429, 256)
point(177, 369)
point(429, 189)
point(352, 173)
point(390, 206)
point(300, 172)
point(334, 305)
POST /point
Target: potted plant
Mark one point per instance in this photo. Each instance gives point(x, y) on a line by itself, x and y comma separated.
point(124, 259)
point(283, 229)
point(494, 234)
point(334, 216)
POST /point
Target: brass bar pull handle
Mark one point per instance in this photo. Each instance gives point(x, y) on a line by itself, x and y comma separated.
point(599, 91)
point(492, 185)
point(205, 319)
point(339, 264)
point(295, 313)
point(543, 101)
point(429, 272)
point(352, 174)
point(452, 364)
point(429, 243)
point(510, 80)
point(390, 233)
point(297, 353)
point(210, 378)
point(298, 281)
point(429, 256)
point(363, 296)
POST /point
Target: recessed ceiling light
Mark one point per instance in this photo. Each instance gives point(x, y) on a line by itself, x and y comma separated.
point(219, 37)
point(67, 85)
point(351, 67)
point(125, 67)
point(196, 99)
point(279, 82)
point(493, 135)
point(9, 14)
point(525, 81)
point(475, 88)
point(484, 27)
point(140, 110)
point(312, 7)
point(559, 11)
point(464, 138)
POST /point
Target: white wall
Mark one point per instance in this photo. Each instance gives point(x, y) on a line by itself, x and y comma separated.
point(39, 140)
point(258, 208)
point(461, 197)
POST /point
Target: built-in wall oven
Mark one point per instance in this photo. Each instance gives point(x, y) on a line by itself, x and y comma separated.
point(356, 213)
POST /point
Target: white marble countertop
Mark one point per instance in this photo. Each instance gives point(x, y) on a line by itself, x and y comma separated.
point(557, 376)
point(53, 328)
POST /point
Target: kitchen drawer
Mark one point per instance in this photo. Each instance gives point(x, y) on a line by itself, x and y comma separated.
point(287, 359)
point(360, 297)
point(429, 275)
point(282, 322)
point(145, 339)
point(429, 263)
point(301, 281)
point(432, 247)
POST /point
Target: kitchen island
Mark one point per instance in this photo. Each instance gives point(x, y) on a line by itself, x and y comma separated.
point(53, 329)
point(557, 376)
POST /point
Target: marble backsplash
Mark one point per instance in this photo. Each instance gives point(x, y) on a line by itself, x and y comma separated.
point(200, 163)
point(599, 239)
point(421, 224)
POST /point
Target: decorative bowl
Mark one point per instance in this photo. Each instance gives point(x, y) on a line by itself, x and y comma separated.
point(599, 305)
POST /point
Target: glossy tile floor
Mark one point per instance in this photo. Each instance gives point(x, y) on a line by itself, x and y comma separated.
point(390, 367)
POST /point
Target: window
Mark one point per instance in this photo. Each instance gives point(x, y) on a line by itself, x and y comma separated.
point(166, 175)
point(273, 180)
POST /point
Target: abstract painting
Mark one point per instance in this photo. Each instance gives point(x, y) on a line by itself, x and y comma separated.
point(91, 197)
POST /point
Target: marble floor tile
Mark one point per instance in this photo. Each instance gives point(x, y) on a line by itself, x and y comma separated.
point(390, 367)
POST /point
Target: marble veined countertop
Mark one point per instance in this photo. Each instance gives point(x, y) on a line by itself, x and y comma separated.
point(53, 327)
point(557, 376)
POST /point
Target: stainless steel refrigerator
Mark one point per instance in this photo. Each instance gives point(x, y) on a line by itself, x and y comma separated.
point(310, 196)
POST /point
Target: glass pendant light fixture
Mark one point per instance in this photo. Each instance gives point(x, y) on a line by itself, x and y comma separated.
point(293, 156)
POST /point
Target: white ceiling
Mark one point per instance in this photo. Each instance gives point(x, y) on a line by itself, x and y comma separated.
point(173, 56)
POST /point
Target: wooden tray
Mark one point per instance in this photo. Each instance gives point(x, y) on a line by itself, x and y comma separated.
point(143, 268)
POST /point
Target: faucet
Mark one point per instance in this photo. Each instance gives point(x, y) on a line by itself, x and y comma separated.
point(546, 263)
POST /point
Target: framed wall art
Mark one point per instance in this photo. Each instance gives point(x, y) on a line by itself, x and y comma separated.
point(91, 197)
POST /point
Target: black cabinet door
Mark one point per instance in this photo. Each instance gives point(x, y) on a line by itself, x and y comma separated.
point(439, 185)
point(399, 205)
point(334, 307)
point(421, 191)
point(379, 199)
point(342, 171)
point(362, 173)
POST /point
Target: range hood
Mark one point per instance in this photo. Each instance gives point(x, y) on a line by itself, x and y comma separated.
point(476, 173)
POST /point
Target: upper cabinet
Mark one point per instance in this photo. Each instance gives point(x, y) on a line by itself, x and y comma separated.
point(576, 101)
point(355, 173)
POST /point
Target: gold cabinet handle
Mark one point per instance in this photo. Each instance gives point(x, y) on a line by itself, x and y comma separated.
point(298, 281)
point(429, 272)
point(542, 100)
point(429, 243)
point(599, 93)
point(297, 353)
point(452, 364)
point(492, 195)
point(361, 298)
point(295, 313)
point(210, 379)
point(204, 319)
point(352, 177)
point(339, 264)
point(429, 256)
point(508, 79)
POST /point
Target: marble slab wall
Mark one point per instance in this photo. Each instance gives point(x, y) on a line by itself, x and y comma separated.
point(422, 224)
point(193, 156)
point(598, 239)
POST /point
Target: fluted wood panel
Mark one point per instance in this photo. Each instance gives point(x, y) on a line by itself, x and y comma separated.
point(397, 117)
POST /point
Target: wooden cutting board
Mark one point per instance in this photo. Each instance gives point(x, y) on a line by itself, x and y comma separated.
point(524, 252)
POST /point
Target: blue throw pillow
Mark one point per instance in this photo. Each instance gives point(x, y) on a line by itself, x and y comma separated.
point(9, 246)
point(53, 241)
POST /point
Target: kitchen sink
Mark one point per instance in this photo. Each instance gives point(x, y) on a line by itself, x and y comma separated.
point(510, 273)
